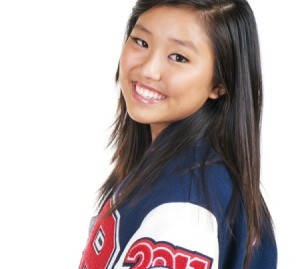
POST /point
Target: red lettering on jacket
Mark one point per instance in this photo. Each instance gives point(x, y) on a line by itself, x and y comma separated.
point(102, 242)
point(146, 253)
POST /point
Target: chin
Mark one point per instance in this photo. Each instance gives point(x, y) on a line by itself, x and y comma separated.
point(138, 118)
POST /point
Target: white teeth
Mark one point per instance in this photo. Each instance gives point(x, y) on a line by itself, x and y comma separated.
point(148, 94)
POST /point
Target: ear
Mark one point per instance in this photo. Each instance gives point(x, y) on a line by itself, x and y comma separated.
point(217, 91)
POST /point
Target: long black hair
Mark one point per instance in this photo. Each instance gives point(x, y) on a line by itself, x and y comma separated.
point(231, 122)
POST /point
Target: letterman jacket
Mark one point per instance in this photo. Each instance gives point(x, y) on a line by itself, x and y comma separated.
point(180, 223)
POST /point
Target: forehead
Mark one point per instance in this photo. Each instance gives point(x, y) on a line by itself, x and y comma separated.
point(173, 22)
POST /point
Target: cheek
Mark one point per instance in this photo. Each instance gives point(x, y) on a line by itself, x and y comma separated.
point(191, 83)
point(128, 61)
point(190, 89)
point(197, 75)
point(123, 65)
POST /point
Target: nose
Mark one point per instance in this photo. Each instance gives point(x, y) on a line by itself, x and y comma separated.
point(151, 68)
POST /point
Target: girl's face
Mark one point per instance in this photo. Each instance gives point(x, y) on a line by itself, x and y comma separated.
point(166, 67)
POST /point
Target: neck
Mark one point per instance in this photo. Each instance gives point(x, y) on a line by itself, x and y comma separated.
point(156, 129)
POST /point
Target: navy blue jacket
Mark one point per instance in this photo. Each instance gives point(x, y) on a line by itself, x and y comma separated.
point(181, 223)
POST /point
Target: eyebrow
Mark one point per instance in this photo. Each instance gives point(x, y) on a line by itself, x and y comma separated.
point(142, 28)
point(184, 43)
point(180, 42)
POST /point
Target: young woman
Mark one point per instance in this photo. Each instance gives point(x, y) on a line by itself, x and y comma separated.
point(185, 188)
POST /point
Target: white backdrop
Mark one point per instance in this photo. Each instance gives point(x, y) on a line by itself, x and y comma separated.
point(58, 99)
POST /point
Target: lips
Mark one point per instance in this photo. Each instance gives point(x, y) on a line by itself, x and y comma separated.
point(147, 94)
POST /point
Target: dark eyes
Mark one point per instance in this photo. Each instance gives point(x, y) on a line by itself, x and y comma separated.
point(174, 57)
point(140, 42)
point(178, 58)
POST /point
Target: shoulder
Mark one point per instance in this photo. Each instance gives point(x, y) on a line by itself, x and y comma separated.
point(171, 233)
point(181, 214)
point(188, 212)
point(197, 176)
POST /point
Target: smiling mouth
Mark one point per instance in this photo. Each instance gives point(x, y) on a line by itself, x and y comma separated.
point(147, 93)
